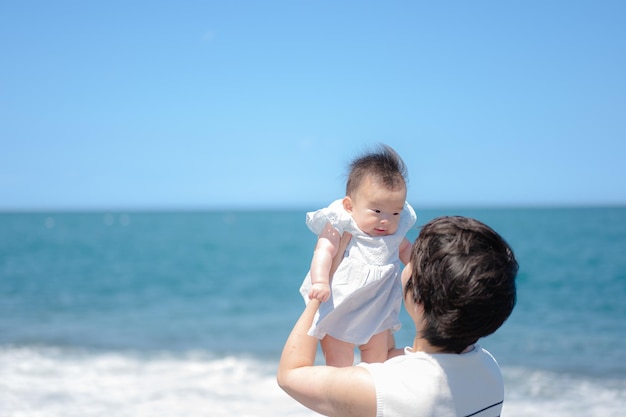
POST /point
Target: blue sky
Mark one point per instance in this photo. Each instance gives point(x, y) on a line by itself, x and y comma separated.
point(253, 104)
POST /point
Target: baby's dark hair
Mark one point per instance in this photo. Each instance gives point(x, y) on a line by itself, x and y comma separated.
point(385, 165)
point(463, 274)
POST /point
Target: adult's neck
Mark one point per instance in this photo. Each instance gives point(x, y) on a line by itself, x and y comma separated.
point(422, 345)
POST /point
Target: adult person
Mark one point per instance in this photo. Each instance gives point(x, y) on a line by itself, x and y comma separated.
point(458, 287)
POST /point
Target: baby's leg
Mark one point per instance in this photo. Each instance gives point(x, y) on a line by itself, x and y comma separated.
point(337, 352)
point(375, 350)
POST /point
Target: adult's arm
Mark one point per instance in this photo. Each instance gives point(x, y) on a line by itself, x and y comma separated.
point(331, 391)
point(405, 251)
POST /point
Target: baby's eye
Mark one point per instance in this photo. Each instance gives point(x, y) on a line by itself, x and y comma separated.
point(395, 214)
point(376, 211)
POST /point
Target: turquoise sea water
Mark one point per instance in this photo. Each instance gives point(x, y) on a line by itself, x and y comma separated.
point(185, 313)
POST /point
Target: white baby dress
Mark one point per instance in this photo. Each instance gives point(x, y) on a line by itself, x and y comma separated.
point(366, 292)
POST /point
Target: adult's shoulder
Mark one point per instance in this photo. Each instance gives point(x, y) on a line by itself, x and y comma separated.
point(406, 364)
point(408, 384)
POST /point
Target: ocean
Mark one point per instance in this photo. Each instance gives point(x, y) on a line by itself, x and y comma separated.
point(185, 313)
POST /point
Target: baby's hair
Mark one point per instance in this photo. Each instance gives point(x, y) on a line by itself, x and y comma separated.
point(385, 165)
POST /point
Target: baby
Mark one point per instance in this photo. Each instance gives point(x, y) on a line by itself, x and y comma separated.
point(361, 300)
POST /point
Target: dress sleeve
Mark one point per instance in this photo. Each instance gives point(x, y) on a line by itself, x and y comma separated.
point(333, 214)
point(408, 218)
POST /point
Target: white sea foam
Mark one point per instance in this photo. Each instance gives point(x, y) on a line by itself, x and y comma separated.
point(543, 393)
point(49, 382)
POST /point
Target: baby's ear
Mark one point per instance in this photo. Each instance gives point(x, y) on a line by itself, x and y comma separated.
point(347, 204)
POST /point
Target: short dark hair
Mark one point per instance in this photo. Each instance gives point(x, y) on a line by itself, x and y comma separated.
point(385, 165)
point(463, 274)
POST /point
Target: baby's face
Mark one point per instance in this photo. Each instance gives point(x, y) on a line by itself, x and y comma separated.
point(375, 208)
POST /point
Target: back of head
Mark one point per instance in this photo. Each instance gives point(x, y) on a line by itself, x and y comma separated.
point(384, 166)
point(463, 274)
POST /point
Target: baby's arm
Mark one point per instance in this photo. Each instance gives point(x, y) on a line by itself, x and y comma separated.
point(405, 251)
point(327, 247)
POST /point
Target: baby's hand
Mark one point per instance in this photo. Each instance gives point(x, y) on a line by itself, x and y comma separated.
point(319, 291)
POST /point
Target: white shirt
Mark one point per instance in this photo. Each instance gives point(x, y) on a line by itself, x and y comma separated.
point(418, 384)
